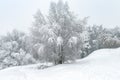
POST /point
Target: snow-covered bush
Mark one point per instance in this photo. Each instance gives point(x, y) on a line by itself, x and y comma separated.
point(14, 50)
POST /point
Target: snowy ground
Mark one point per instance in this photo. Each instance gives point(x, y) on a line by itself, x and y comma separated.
point(100, 65)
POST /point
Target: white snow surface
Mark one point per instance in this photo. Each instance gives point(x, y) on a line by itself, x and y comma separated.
point(102, 64)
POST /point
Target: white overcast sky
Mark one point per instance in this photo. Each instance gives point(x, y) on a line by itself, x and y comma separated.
point(18, 14)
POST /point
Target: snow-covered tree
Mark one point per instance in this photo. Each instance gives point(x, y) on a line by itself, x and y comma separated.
point(59, 34)
point(103, 38)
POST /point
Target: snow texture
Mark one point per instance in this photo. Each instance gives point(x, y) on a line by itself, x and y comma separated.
point(73, 40)
point(59, 41)
point(100, 65)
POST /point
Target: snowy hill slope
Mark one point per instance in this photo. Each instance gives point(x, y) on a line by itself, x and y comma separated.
point(100, 65)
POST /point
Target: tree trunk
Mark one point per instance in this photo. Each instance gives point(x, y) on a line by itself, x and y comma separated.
point(60, 60)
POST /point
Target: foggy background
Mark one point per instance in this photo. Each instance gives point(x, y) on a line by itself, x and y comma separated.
point(18, 14)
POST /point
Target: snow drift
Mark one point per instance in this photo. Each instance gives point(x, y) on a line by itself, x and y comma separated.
point(100, 65)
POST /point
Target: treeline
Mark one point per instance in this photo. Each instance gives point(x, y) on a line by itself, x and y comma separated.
point(59, 37)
